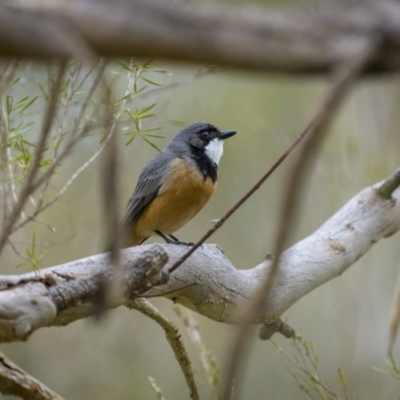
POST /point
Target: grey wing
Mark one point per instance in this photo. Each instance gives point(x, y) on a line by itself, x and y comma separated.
point(150, 181)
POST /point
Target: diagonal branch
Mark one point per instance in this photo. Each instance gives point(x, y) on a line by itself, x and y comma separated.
point(345, 75)
point(65, 293)
point(222, 290)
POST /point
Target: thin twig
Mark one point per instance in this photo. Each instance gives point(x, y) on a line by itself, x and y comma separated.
point(7, 156)
point(102, 65)
point(74, 139)
point(73, 76)
point(96, 81)
point(208, 361)
point(16, 251)
point(394, 317)
point(344, 75)
point(147, 296)
point(218, 224)
point(49, 172)
point(45, 243)
point(174, 85)
point(174, 339)
point(8, 76)
point(27, 189)
point(5, 151)
point(77, 123)
point(315, 379)
point(111, 187)
point(111, 289)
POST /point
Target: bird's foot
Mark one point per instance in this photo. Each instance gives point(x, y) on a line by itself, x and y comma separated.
point(189, 244)
point(170, 239)
point(177, 241)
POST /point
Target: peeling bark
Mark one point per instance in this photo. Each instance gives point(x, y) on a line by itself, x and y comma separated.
point(63, 294)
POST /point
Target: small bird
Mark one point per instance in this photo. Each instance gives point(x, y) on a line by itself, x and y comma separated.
point(175, 185)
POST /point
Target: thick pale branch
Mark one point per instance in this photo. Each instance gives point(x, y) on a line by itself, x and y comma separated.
point(62, 294)
point(15, 381)
point(323, 255)
point(242, 37)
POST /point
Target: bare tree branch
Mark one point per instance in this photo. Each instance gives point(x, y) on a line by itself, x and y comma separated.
point(64, 294)
point(17, 382)
point(218, 34)
point(60, 295)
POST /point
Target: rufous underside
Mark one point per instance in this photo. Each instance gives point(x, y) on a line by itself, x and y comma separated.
point(184, 193)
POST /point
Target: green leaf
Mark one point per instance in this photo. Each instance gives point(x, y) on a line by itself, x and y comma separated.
point(124, 65)
point(342, 379)
point(9, 103)
point(133, 135)
point(127, 96)
point(19, 104)
point(43, 90)
point(156, 136)
point(146, 64)
point(25, 128)
point(150, 81)
point(33, 259)
point(176, 122)
point(141, 89)
point(150, 142)
point(16, 80)
point(27, 105)
point(142, 113)
point(157, 128)
point(44, 162)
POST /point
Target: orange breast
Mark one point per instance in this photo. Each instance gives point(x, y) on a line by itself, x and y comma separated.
point(183, 195)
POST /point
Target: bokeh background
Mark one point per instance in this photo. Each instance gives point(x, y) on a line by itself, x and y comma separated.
point(347, 318)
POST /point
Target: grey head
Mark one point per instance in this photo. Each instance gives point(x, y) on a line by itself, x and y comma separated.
point(200, 138)
point(200, 143)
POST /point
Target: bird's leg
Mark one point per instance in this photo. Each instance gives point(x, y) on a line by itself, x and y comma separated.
point(166, 238)
point(172, 239)
point(177, 241)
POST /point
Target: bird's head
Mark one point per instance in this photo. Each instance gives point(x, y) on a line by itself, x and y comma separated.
point(206, 137)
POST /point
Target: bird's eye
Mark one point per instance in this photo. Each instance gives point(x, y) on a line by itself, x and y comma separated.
point(205, 135)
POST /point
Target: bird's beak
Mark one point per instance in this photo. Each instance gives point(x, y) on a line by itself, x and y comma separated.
point(226, 135)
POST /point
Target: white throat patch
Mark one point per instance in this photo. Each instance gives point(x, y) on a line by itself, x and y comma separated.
point(214, 150)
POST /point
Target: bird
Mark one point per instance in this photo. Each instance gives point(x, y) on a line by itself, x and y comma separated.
point(174, 185)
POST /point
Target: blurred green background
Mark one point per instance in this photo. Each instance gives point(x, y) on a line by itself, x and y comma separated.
point(347, 318)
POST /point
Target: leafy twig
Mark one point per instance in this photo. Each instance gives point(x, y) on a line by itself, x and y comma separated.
point(40, 146)
point(307, 376)
point(209, 363)
point(174, 339)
